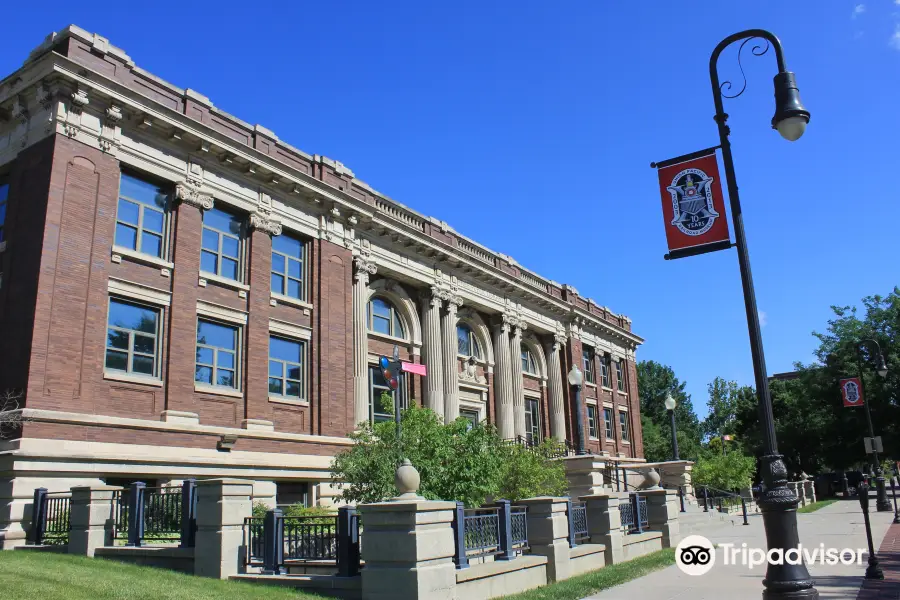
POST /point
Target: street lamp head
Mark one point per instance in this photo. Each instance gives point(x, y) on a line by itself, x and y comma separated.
point(881, 366)
point(791, 117)
point(670, 401)
point(576, 377)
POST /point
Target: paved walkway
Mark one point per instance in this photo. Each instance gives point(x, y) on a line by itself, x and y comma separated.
point(889, 559)
point(839, 525)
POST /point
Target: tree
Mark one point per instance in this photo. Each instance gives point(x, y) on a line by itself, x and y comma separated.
point(654, 382)
point(727, 472)
point(455, 462)
point(724, 398)
point(10, 416)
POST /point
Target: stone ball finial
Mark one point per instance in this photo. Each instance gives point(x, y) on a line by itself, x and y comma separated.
point(406, 480)
point(651, 480)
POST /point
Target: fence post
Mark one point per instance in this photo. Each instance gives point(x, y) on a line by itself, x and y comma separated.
point(273, 543)
point(459, 536)
point(136, 513)
point(188, 513)
point(636, 499)
point(571, 521)
point(744, 509)
point(38, 513)
point(506, 543)
point(348, 542)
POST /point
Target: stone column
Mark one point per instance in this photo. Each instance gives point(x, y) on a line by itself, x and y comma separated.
point(92, 519)
point(557, 399)
point(584, 474)
point(364, 268)
point(408, 550)
point(433, 392)
point(450, 350)
point(503, 379)
point(518, 387)
point(605, 523)
point(662, 515)
point(222, 506)
point(548, 534)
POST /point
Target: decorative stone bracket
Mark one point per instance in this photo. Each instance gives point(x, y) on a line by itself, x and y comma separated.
point(265, 224)
point(192, 196)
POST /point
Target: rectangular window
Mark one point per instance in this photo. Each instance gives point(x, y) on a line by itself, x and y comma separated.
point(604, 371)
point(592, 421)
point(532, 421)
point(132, 338)
point(470, 415)
point(620, 376)
point(608, 422)
point(141, 216)
point(4, 194)
point(587, 361)
point(288, 256)
point(287, 374)
point(217, 354)
point(221, 253)
point(623, 424)
point(377, 385)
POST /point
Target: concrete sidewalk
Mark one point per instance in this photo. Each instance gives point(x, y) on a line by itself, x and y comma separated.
point(839, 525)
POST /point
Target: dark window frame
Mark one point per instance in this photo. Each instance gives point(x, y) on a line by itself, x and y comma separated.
point(130, 352)
point(623, 424)
point(165, 212)
point(608, 422)
point(396, 319)
point(592, 421)
point(587, 364)
point(238, 355)
point(284, 379)
point(402, 390)
point(241, 236)
point(285, 276)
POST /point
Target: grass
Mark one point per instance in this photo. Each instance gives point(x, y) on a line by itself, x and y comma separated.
point(50, 576)
point(590, 583)
point(816, 505)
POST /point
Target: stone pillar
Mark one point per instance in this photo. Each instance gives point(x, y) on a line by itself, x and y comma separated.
point(265, 492)
point(364, 268)
point(557, 397)
point(662, 515)
point(548, 534)
point(408, 551)
point(433, 394)
point(91, 518)
point(810, 490)
point(518, 387)
point(257, 409)
point(222, 506)
point(584, 474)
point(503, 379)
point(450, 350)
point(605, 523)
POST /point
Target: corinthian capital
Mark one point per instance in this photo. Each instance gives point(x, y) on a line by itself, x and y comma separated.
point(365, 268)
point(432, 295)
point(265, 224)
point(192, 196)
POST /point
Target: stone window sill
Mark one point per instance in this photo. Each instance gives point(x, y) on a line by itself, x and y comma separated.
point(389, 338)
point(607, 389)
point(218, 391)
point(626, 442)
point(621, 393)
point(224, 281)
point(280, 400)
point(589, 384)
point(128, 377)
point(138, 257)
point(280, 299)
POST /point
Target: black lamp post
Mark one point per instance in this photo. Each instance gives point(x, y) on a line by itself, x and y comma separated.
point(670, 406)
point(777, 502)
point(894, 494)
point(873, 571)
point(882, 504)
point(576, 379)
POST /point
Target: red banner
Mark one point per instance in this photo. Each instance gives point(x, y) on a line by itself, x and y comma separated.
point(852, 392)
point(692, 202)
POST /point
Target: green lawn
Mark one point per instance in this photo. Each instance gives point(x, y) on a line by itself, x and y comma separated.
point(816, 505)
point(595, 581)
point(48, 576)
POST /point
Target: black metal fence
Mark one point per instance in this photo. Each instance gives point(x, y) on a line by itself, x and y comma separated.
point(274, 542)
point(578, 523)
point(156, 515)
point(500, 530)
point(563, 449)
point(50, 519)
point(633, 513)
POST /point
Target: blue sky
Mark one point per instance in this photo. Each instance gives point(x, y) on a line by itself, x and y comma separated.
point(530, 126)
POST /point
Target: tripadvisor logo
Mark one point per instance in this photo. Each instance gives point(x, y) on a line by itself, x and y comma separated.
point(695, 555)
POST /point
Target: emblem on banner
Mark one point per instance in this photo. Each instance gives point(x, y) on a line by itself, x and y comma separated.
point(692, 202)
point(851, 390)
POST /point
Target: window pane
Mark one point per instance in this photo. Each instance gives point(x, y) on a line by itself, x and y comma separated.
point(225, 359)
point(153, 220)
point(116, 360)
point(229, 246)
point(229, 268)
point(151, 244)
point(277, 283)
point(214, 334)
point(292, 389)
point(398, 326)
point(126, 236)
point(288, 245)
point(205, 356)
point(131, 316)
point(381, 325)
point(210, 240)
point(381, 308)
point(144, 344)
point(274, 386)
point(203, 375)
point(142, 191)
point(462, 340)
point(208, 262)
point(283, 349)
point(222, 221)
point(294, 268)
point(293, 372)
point(277, 263)
point(142, 364)
point(117, 339)
point(225, 378)
point(128, 212)
point(276, 369)
point(293, 288)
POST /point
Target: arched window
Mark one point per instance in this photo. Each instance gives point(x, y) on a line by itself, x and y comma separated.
point(529, 365)
point(466, 342)
point(384, 318)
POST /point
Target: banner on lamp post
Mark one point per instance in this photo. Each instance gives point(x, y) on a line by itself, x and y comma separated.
point(693, 205)
point(852, 392)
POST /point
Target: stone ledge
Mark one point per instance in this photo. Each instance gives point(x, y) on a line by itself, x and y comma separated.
point(499, 567)
point(152, 551)
point(586, 549)
point(637, 538)
point(304, 581)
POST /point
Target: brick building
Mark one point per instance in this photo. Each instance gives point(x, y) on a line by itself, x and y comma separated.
point(182, 294)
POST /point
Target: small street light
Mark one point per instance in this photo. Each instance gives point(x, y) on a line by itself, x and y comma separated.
point(882, 504)
point(670, 406)
point(576, 379)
